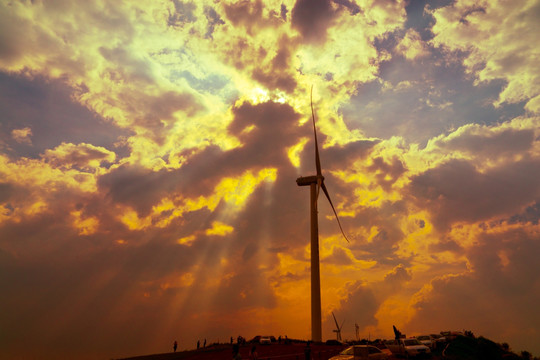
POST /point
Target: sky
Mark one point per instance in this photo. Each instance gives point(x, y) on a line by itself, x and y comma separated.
point(149, 153)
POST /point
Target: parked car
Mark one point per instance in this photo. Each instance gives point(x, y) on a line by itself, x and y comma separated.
point(438, 341)
point(407, 347)
point(436, 338)
point(367, 352)
point(425, 340)
point(334, 342)
point(265, 340)
point(451, 335)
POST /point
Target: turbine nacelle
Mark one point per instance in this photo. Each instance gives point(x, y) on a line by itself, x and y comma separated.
point(308, 180)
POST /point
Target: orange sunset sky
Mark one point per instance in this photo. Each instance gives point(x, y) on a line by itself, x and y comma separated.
point(149, 152)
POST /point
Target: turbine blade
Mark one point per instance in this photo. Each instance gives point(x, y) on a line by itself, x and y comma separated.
point(337, 326)
point(317, 158)
point(335, 213)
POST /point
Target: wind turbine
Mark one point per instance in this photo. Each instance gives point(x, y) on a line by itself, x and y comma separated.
point(316, 182)
point(338, 328)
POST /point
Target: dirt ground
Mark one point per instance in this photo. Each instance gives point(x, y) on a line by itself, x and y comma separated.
point(293, 351)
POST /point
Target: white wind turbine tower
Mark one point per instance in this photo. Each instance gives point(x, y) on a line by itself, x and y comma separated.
point(316, 182)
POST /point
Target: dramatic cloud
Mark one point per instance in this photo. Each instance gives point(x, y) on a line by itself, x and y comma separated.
point(496, 48)
point(149, 152)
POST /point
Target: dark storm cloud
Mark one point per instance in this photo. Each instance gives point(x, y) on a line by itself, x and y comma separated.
point(456, 191)
point(312, 18)
point(398, 275)
point(156, 112)
point(245, 13)
point(282, 58)
point(343, 156)
point(504, 268)
point(184, 13)
point(47, 108)
point(338, 257)
point(83, 291)
point(284, 12)
point(275, 129)
point(137, 187)
point(387, 173)
point(151, 111)
point(363, 300)
point(80, 156)
point(249, 14)
point(285, 82)
point(266, 130)
point(420, 19)
point(360, 306)
point(6, 190)
point(244, 290)
point(273, 72)
point(352, 6)
point(10, 48)
point(506, 142)
point(529, 215)
point(278, 74)
point(213, 20)
point(419, 108)
point(447, 245)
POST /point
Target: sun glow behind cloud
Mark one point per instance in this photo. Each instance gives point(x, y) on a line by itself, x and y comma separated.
point(234, 192)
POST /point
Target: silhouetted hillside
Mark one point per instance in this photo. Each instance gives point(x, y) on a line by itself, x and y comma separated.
point(480, 348)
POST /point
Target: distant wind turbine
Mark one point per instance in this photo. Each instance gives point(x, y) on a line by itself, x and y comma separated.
point(338, 328)
point(316, 182)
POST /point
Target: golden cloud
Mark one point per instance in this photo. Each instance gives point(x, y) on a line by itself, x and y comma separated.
point(82, 156)
point(411, 46)
point(22, 135)
point(234, 192)
point(85, 225)
point(219, 229)
point(500, 39)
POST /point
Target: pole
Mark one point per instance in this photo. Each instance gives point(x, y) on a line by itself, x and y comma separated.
point(316, 326)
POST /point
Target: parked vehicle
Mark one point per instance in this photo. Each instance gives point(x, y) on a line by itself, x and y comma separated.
point(265, 340)
point(407, 347)
point(451, 335)
point(436, 338)
point(425, 340)
point(438, 341)
point(334, 342)
point(361, 352)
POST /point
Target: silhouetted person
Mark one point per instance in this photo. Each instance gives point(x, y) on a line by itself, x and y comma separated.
point(175, 345)
point(307, 351)
point(253, 353)
point(204, 343)
point(231, 340)
point(198, 344)
point(236, 352)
